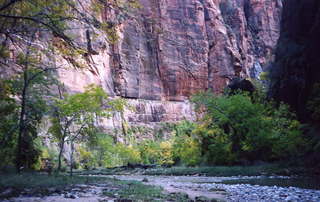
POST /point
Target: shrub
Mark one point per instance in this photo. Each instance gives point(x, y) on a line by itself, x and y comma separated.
point(236, 128)
point(184, 128)
point(87, 160)
point(186, 150)
point(102, 146)
point(149, 151)
point(166, 153)
point(215, 145)
point(128, 154)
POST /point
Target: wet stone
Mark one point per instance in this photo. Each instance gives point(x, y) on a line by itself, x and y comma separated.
point(69, 195)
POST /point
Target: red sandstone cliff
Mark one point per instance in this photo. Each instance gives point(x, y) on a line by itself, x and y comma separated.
point(173, 48)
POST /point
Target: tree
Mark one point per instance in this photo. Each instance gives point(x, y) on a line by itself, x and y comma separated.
point(25, 91)
point(8, 124)
point(32, 86)
point(77, 116)
point(22, 109)
point(20, 18)
point(99, 144)
point(38, 30)
point(238, 129)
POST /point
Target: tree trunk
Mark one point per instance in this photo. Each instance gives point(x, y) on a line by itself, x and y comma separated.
point(61, 144)
point(61, 147)
point(71, 159)
point(124, 129)
point(19, 163)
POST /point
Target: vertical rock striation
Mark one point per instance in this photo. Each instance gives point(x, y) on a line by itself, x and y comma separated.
point(176, 48)
point(171, 49)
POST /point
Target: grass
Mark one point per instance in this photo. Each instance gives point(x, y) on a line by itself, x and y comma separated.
point(38, 184)
point(137, 191)
point(34, 180)
point(214, 171)
point(100, 171)
point(223, 171)
point(35, 184)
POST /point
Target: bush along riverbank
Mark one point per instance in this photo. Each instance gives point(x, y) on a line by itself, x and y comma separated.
point(236, 128)
point(214, 171)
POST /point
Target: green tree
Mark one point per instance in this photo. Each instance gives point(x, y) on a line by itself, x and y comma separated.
point(23, 23)
point(77, 117)
point(8, 124)
point(24, 106)
point(21, 18)
point(243, 129)
point(101, 144)
point(31, 87)
point(149, 151)
point(15, 132)
point(186, 145)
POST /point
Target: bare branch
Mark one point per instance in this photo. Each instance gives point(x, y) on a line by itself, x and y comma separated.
point(51, 28)
point(10, 3)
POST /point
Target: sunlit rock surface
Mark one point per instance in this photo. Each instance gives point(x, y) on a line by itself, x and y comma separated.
point(171, 49)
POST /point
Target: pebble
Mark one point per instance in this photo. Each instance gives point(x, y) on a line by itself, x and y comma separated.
point(246, 192)
point(69, 195)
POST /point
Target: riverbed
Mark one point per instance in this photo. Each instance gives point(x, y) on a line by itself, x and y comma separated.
point(214, 187)
point(236, 188)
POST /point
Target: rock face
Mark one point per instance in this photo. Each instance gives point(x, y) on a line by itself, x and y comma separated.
point(171, 49)
point(297, 62)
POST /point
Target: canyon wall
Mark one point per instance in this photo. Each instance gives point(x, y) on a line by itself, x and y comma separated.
point(170, 49)
point(296, 69)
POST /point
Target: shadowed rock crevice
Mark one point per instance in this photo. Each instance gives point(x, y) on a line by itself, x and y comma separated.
point(297, 60)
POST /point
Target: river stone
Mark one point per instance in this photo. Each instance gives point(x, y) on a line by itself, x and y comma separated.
point(123, 200)
point(202, 199)
point(6, 192)
point(70, 195)
point(178, 196)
